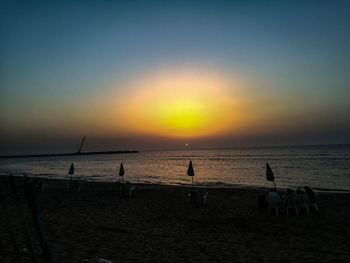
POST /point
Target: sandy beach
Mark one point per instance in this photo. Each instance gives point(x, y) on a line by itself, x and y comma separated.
point(159, 224)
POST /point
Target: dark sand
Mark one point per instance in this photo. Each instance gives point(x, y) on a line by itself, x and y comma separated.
point(158, 224)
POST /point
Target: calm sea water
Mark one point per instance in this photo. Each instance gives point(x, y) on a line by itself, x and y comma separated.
point(322, 167)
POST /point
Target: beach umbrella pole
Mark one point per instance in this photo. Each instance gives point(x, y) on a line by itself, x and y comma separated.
point(71, 172)
point(121, 172)
point(274, 185)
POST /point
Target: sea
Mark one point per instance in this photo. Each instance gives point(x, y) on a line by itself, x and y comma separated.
point(324, 167)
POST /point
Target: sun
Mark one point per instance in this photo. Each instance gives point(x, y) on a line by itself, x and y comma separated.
point(181, 116)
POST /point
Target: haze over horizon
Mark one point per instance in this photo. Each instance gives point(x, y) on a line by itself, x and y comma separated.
point(159, 74)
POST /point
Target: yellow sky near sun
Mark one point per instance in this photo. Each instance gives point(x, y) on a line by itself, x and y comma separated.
point(185, 103)
point(178, 104)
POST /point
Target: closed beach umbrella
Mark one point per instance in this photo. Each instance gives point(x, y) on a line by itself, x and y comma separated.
point(190, 171)
point(121, 171)
point(269, 175)
point(71, 169)
point(71, 172)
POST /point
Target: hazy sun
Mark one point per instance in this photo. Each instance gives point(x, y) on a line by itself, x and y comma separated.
point(179, 105)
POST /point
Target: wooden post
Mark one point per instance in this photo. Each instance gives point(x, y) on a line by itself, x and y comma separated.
point(274, 185)
point(34, 207)
point(8, 221)
point(22, 218)
point(71, 183)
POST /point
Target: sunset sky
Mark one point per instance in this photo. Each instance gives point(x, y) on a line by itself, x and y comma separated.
point(159, 74)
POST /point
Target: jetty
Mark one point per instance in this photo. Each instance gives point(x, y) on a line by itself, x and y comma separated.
point(68, 154)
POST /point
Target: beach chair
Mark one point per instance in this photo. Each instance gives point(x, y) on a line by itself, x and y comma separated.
point(122, 188)
point(42, 186)
point(274, 202)
point(312, 197)
point(193, 196)
point(291, 201)
point(302, 201)
point(205, 198)
point(125, 188)
point(132, 189)
point(129, 189)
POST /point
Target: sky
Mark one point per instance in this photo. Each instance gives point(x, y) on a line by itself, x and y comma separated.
point(159, 74)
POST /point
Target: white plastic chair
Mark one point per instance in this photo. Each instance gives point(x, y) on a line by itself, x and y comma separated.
point(314, 204)
point(205, 197)
point(312, 197)
point(303, 202)
point(274, 202)
point(291, 203)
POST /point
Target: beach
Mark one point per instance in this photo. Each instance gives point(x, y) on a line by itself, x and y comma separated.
point(174, 131)
point(159, 224)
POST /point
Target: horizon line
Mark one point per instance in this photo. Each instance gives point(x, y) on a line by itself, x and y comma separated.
point(247, 147)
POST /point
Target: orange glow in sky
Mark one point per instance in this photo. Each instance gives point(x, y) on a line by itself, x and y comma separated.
point(186, 103)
